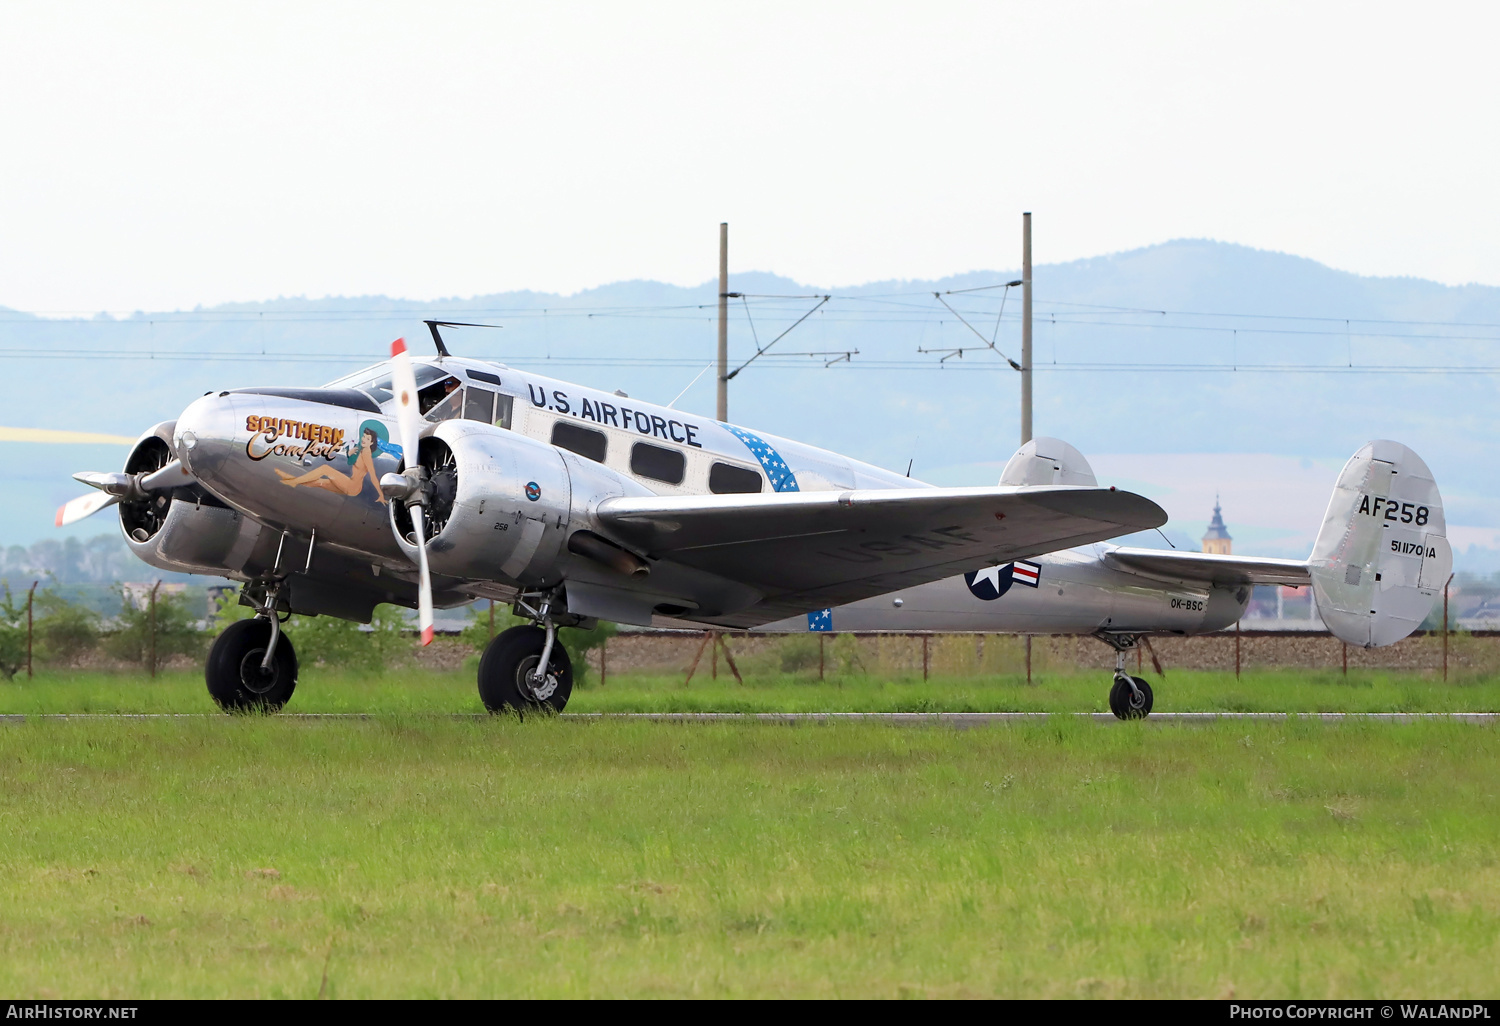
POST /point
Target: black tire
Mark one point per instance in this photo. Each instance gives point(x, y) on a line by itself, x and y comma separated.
point(1128, 704)
point(233, 673)
point(503, 670)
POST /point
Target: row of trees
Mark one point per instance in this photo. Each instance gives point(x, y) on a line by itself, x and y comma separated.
point(100, 560)
point(66, 631)
point(58, 630)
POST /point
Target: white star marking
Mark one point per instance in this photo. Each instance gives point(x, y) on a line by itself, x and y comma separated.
point(991, 574)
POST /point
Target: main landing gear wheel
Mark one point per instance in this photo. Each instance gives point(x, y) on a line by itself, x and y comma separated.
point(236, 679)
point(1130, 698)
point(508, 678)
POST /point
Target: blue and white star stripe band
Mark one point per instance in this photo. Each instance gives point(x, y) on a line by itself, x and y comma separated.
point(781, 476)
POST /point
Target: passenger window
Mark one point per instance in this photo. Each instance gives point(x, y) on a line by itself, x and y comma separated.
point(584, 441)
point(660, 464)
point(479, 404)
point(724, 479)
point(503, 405)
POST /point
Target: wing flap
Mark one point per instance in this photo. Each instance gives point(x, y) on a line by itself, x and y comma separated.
point(809, 550)
point(1210, 568)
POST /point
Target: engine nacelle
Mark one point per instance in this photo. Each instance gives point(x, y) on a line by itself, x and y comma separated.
point(184, 530)
point(500, 506)
point(507, 508)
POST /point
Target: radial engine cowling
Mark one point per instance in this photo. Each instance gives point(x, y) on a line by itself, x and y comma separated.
point(498, 505)
point(186, 529)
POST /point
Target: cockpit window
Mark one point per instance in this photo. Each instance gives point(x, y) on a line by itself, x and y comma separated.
point(376, 381)
point(441, 400)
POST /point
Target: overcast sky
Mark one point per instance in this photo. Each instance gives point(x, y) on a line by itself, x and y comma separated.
point(159, 156)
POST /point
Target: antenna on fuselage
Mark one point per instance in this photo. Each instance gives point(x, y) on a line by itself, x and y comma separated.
point(437, 339)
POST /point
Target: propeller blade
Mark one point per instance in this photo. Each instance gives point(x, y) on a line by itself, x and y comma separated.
point(173, 475)
point(407, 417)
point(114, 484)
point(410, 422)
point(84, 506)
point(424, 580)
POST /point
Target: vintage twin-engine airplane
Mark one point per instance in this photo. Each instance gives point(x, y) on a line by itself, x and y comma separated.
point(1377, 566)
point(575, 505)
point(570, 503)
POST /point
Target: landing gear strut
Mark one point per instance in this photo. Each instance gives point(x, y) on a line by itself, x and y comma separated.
point(252, 665)
point(1130, 697)
point(525, 669)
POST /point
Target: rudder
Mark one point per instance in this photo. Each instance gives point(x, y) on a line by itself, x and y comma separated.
point(1382, 555)
point(1048, 461)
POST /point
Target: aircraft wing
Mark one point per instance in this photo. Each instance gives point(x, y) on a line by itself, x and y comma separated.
point(1212, 569)
point(809, 550)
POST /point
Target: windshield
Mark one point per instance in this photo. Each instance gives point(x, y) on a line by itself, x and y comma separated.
point(375, 381)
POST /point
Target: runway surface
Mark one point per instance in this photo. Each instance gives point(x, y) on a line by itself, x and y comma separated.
point(955, 719)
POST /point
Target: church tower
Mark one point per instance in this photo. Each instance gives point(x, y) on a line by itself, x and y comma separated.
point(1217, 539)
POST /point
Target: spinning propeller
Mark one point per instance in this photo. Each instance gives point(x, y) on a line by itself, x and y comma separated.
point(410, 487)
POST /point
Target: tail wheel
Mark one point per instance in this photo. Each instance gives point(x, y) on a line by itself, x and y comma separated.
point(507, 673)
point(1130, 703)
point(233, 671)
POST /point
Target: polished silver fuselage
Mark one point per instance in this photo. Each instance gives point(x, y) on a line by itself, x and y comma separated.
point(1075, 592)
point(296, 477)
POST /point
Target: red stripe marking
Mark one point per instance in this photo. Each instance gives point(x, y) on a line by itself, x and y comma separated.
point(398, 347)
point(426, 636)
point(60, 511)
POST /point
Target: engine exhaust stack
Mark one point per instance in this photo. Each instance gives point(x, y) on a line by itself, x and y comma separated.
point(591, 546)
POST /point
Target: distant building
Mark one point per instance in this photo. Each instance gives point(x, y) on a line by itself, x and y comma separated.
point(1217, 539)
point(138, 593)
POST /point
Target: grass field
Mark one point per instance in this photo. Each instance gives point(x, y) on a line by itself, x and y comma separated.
point(424, 857)
point(420, 691)
point(415, 855)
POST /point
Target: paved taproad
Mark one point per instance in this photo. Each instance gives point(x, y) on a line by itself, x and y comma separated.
point(952, 719)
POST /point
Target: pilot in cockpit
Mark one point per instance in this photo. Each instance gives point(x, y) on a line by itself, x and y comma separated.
point(438, 393)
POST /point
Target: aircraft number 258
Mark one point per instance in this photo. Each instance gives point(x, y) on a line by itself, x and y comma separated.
point(1395, 512)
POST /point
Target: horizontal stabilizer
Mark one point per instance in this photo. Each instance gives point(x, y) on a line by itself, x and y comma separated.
point(1212, 569)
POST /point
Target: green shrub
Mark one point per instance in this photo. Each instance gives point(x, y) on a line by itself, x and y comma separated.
point(347, 645)
point(799, 652)
point(12, 635)
point(847, 656)
point(176, 630)
point(476, 634)
point(229, 610)
point(65, 631)
point(580, 643)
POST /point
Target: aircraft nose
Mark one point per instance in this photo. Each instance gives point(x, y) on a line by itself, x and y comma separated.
point(206, 426)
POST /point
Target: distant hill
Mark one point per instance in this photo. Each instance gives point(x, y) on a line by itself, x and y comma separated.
point(1098, 321)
